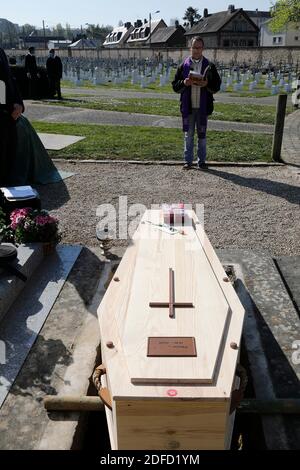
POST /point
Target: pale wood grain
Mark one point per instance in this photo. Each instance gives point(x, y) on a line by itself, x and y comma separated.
point(143, 278)
point(182, 425)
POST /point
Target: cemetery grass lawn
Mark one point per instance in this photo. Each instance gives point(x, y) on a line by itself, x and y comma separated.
point(153, 87)
point(148, 143)
point(164, 107)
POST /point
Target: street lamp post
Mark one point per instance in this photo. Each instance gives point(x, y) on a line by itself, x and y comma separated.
point(150, 32)
point(44, 34)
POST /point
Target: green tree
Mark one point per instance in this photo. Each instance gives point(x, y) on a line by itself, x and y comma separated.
point(59, 30)
point(9, 35)
point(191, 17)
point(98, 32)
point(69, 34)
point(284, 12)
point(27, 29)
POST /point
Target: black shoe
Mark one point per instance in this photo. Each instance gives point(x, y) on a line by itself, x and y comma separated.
point(187, 166)
point(202, 166)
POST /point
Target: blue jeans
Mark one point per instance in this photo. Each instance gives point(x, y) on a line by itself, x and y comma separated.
point(201, 123)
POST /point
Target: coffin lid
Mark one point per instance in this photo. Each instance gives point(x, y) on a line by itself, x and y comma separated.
point(200, 330)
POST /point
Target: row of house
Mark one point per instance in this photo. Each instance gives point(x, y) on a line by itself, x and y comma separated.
point(232, 28)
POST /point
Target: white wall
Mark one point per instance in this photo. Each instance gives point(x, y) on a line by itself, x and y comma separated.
point(286, 37)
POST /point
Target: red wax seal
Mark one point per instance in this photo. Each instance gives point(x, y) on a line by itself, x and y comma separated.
point(171, 392)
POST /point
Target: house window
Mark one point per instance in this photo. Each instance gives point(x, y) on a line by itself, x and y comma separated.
point(242, 43)
point(296, 38)
point(250, 43)
point(226, 43)
point(239, 26)
point(277, 40)
point(243, 26)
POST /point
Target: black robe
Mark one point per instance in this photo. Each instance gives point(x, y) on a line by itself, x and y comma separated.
point(8, 134)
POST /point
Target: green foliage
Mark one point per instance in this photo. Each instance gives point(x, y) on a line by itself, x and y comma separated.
point(98, 32)
point(191, 16)
point(32, 225)
point(2, 216)
point(27, 29)
point(284, 12)
point(6, 234)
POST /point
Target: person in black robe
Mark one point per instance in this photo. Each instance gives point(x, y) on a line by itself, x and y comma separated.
point(10, 110)
point(54, 72)
point(32, 73)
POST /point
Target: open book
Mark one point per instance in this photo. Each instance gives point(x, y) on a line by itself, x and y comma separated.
point(19, 192)
point(196, 76)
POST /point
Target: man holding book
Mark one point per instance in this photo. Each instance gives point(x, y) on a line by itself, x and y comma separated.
point(196, 80)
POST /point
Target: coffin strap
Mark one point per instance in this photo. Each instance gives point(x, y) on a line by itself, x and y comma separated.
point(103, 392)
point(237, 395)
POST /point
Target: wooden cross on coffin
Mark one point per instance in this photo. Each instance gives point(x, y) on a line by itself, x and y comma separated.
point(171, 304)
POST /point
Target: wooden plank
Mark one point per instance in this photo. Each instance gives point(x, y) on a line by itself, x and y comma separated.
point(182, 425)
point(235, 332)
point(156, 253)
point(110, 420)
point(111, 314)
point(150, 283)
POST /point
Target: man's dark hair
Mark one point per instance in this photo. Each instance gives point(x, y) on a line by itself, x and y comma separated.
point(198, 39)
point(31, 49)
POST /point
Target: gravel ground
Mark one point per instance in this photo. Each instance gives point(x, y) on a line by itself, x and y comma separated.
point(254, 208)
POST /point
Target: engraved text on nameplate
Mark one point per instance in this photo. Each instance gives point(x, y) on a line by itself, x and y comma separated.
point(164, 346)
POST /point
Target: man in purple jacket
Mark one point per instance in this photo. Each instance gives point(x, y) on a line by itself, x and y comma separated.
point(196, 80)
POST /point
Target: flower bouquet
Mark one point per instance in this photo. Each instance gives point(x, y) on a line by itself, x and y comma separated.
point(32, 225)
point(6, 234)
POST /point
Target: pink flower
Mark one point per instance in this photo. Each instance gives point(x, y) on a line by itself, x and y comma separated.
point(45, 219)
point(18, 215)
point(33, 225)
point(20, 212)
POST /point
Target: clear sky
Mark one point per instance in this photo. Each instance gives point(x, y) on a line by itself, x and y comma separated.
point(80, 12)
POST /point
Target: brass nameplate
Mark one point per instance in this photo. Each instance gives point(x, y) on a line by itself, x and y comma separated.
point(171, 346)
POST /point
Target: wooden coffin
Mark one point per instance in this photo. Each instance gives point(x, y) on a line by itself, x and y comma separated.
point(170, 369)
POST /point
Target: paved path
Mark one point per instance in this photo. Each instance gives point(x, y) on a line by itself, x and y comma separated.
point(291, 139)
point(62, 114)
point(111, 93)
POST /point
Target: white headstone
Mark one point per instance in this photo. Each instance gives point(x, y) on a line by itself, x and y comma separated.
point(268, 83)
point(223, 87)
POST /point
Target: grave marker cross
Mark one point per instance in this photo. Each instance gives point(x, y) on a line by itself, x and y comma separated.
point(171, 304)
